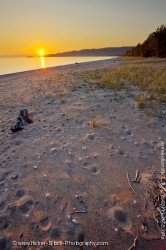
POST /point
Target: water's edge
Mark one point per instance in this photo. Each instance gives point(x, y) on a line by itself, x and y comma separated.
point(17, 65)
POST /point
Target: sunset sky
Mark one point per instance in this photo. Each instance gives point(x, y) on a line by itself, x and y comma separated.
point(28, 26)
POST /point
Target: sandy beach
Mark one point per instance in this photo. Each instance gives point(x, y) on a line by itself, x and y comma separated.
point(67, 177)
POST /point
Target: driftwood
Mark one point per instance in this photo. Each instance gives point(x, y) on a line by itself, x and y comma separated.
point(21, 120)
point(137, 177)
point(134, 244)
point(130, 183)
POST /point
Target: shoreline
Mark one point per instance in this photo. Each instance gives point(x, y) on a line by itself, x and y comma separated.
point(56, 67)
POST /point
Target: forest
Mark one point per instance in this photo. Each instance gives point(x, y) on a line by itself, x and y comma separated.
point(153, 46)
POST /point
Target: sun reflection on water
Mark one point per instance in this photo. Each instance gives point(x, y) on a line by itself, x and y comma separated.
point(42, 61)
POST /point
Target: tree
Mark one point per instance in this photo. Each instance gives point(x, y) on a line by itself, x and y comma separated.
point(154, 45)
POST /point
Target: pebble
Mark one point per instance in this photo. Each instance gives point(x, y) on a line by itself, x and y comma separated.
point(83, 147)
point(68, 216)
point(35, 167)
point(14, 176)
point(75, 221)
point(77, 196)
point(47, 194)
point(114, 147)
point(53, 149)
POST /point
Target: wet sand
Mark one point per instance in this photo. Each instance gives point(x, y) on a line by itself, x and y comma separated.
point(65, 176)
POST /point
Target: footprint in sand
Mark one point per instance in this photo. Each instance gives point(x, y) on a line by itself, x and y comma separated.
point(94, 169)
point(128, 132)
point(117, 150)
point(58, 130)
point(120, 217)
point(65, 144)
point(122, 153)
point(90, 137)
point(54, 146)
point(14, 177)
point(114, 147)
point(20, 193)
point(55, 233)
point(45, 224)
point(39, 206)
point(33, 226)
point(25, 204)
point(85, 164)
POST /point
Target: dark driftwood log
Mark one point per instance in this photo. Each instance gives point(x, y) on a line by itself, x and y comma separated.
point(21, 120)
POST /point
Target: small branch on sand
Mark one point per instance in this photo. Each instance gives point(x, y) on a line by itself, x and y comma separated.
point(136, 176)
point(130, 183)
point(134, 244)
point(138, 179)
point(145, 204)
point(57, 197)
point(161, 187)
point(79, 212)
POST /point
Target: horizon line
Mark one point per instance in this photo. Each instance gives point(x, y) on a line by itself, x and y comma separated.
point(33, 55)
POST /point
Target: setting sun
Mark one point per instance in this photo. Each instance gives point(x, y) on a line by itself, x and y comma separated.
point(41, 52)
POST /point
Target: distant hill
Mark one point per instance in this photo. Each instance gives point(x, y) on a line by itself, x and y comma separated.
point(112, 51)
point(154, 45)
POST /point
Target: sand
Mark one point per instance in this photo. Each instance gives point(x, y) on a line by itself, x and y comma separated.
point(64, 176)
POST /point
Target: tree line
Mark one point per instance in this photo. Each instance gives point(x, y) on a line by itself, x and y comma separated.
point(154, 45)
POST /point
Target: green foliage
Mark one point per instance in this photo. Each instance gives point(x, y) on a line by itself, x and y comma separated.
point(154, 45)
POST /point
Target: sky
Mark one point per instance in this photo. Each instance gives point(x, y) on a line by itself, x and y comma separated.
point(27, 26)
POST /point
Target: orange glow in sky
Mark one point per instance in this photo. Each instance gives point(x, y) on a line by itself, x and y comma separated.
point(43, 27)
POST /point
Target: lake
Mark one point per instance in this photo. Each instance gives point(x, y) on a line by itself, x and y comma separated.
point(13, 65)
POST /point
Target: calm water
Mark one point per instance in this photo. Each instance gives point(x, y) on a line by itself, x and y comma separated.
point(12, 65)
